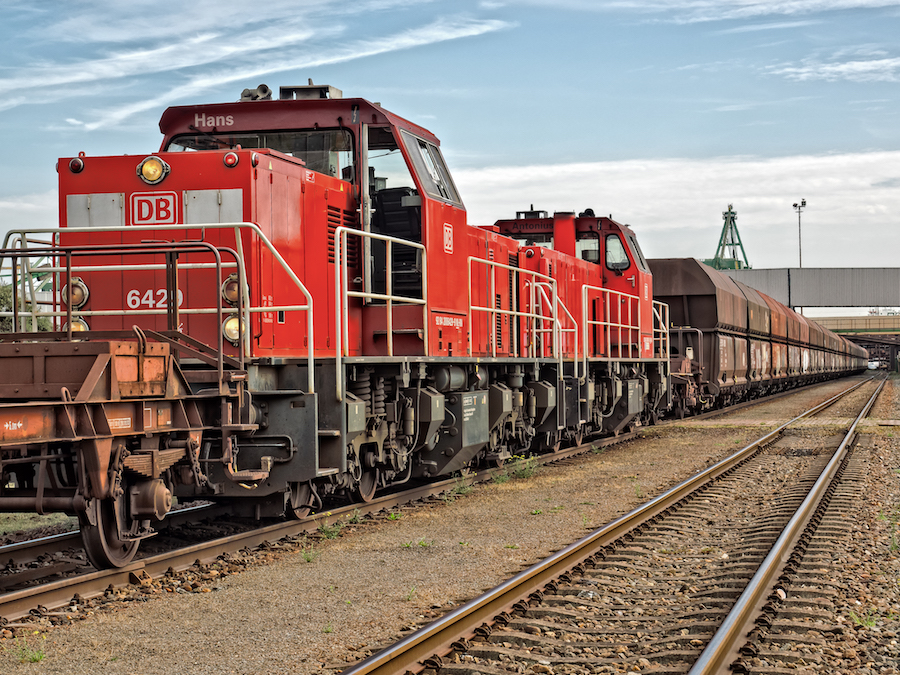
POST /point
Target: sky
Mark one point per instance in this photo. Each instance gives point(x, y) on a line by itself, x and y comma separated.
point(658, 112)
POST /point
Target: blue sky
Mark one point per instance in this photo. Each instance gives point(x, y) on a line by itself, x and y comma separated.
point(658, 112)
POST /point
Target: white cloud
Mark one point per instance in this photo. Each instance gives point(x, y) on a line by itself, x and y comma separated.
point(196, 51)
point(675, 205)
point(695, 11)
point(756, 27)
point(438, 31)
point(32, 211)
point(205, 60)
point(869, 70)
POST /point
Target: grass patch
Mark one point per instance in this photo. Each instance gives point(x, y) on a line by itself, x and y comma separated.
point(17, 522)
point(24, 652)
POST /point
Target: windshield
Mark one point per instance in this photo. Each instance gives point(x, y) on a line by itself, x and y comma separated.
point(638, 254)
point(328, 151)
point(616, 257)
point(431, 169)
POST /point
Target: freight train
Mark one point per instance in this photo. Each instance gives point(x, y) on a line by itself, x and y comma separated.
point(730, 342)
point(286, 303)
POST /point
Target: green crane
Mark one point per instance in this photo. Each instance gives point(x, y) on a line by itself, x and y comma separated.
point(729, 245)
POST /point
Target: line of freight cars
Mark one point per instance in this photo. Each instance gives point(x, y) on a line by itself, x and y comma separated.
point(730, 342)
point(286, 304)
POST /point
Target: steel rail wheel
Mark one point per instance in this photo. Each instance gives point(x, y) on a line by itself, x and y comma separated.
point(301, 501)
point(368, 482)
point(100, 534)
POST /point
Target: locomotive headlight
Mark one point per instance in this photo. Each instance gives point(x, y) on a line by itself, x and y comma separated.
point(79, 325)
point(152, 170)
point(231, 289)
point(232, 328)
point(75, 293)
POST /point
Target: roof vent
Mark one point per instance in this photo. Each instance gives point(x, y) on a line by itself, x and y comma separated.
point(309, 92)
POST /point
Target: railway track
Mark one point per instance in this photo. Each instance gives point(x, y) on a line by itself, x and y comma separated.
point(43, 575)
point(675, 586)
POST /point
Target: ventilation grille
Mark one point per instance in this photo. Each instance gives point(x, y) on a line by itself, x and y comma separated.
point(498, 321)
point(337, 218)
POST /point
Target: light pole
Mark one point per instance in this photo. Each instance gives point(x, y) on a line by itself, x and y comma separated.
point(799, 208)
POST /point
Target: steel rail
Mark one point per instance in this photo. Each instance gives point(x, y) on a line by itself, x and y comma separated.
point(57, 594)
point(433, 641)
point(31, 549)
point(722, 649)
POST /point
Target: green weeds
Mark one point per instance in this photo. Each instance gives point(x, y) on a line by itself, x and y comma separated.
point(330, 531)
point(867, 620)
point(892, 519)
point(24, 652)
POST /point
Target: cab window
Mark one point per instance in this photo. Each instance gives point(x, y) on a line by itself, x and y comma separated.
point(616, 257)
point(638, 254)
point(327, 151)
point(431, 169)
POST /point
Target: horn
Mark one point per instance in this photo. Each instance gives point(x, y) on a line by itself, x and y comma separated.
point(261, 93)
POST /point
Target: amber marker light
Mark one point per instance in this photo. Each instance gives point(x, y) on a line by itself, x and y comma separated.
point(152, 170)
point(75, 293)
point(79, 325)
point(232, 328)
point(231, 289)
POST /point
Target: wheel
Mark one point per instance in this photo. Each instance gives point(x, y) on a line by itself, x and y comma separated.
point(550, 442)
point(300, 501)
point(365, 489)
point(101, 540)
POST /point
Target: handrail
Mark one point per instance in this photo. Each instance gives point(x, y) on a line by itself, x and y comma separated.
point(144, 248)
point(633, 306)
point(532, 316)
point(21, 237)
point(541, 286)
point(661, 330)
point(342, 295)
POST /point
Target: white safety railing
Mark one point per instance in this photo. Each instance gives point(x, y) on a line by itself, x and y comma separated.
point(20, 239)
point(343, 293)
point(619, 322)
point(533, 317)
point(660, 330)
point(539, 298)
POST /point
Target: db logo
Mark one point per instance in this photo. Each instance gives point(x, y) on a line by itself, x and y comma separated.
point(154, 208)
point(448, 238)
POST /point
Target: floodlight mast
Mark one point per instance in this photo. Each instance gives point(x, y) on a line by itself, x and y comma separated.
point(799, 208)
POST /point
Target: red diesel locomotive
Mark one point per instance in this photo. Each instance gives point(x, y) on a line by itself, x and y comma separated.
point(285, 303)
